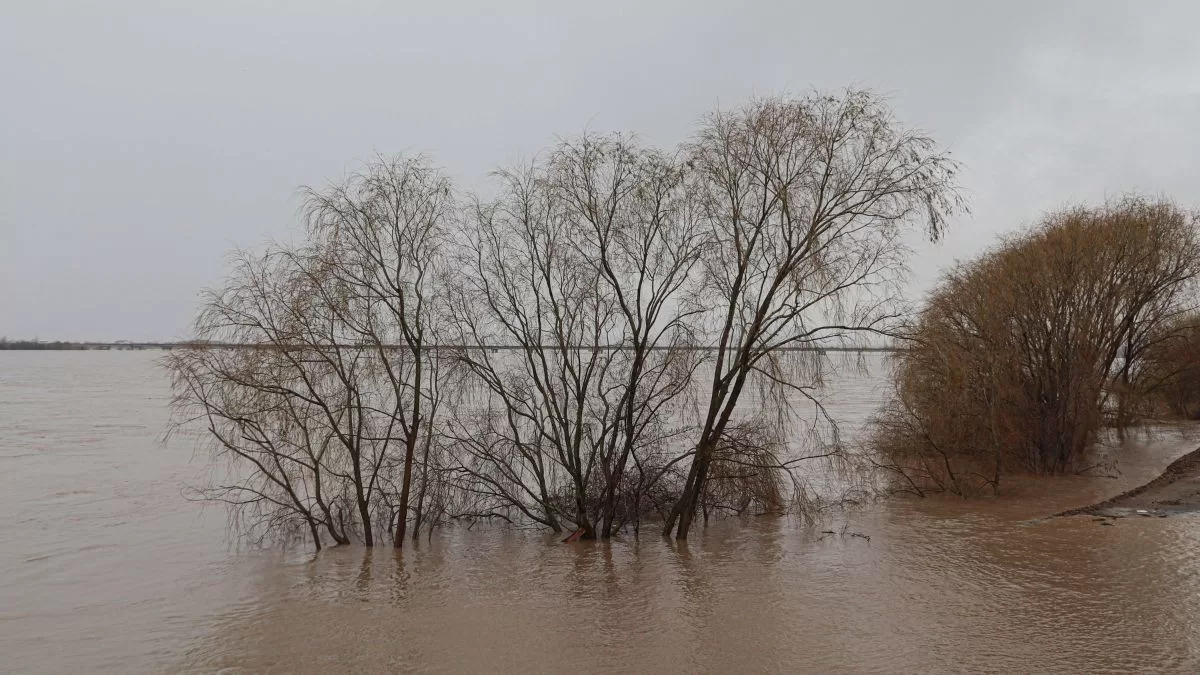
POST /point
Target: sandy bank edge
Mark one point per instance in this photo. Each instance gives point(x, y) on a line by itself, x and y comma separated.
point(1186, 467)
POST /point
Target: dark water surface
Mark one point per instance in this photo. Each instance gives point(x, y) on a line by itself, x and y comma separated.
point(105, 566)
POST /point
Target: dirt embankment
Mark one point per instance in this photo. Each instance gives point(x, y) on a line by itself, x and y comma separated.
point(1177, 490)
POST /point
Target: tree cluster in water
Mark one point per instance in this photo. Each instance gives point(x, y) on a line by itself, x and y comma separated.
point(615, 337)
point(1020, 357)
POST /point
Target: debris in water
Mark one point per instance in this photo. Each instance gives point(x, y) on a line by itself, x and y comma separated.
point(576, 535)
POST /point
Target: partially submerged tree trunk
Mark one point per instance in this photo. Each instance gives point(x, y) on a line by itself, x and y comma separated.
point(806, 200)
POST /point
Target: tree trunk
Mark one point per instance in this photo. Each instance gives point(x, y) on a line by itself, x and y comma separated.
point(410, 446)
point(606, 524)
point(402, 518)
point(685, 509)
point(312, 528)
point(424, 488)
point(609, 509)
point(581, 517)
point(364, 509)
point(691, 498)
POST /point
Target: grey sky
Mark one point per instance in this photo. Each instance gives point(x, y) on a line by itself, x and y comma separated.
point(139, 142)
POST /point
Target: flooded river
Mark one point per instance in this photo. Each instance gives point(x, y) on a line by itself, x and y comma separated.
point(105, 566)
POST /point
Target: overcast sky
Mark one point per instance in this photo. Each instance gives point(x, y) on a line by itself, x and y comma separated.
point(139, 142)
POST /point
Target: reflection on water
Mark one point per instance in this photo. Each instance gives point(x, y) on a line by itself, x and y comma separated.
point(106, 567)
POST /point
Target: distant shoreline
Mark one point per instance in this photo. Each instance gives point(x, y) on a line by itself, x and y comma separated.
point(35, 345)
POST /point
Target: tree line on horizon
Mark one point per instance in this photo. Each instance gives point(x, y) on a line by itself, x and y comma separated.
point(7, 344)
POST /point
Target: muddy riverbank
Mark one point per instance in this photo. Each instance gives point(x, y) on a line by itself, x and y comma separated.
point(1176, 491)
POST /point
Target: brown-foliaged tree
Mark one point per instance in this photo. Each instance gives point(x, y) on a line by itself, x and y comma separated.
point(1018, 354)
point(1165, 381)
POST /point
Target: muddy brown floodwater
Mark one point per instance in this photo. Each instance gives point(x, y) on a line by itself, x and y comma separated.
point(104, 566)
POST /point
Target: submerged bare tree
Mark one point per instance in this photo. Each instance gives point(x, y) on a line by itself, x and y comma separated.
point(806, 201)
point(557, 332)
point(330, 404)
point(639, 232)
point(528, 445)
point(584, 266)
point(292, 414)
point(383, 232)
